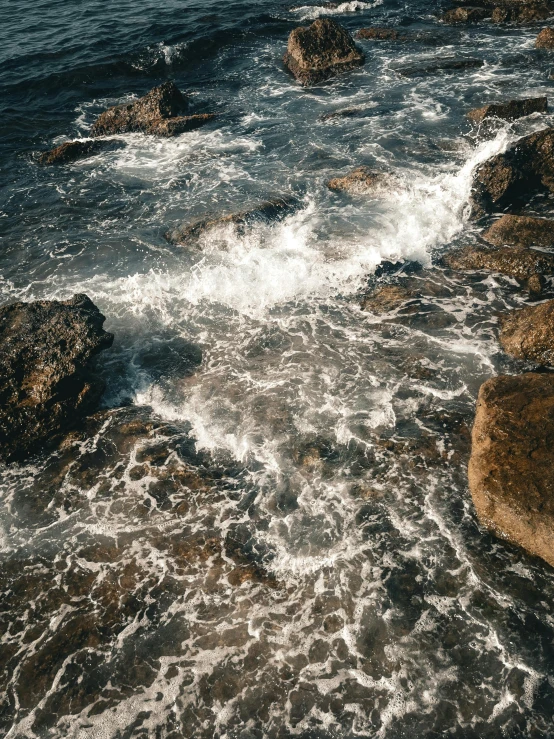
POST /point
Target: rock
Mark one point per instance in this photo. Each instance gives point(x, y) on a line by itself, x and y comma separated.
point(270, 210)
point(440, 65)
point(511, 110)
point(510, 469)
point(524, 13)
point(364, 181)
point(387, 298)
point(380, 34)
point(521, 231)
point(545, 39)
point(465, 15)
point(46, 382)
point(345, 113)
point(515, 262)
point(320, 51)
point(161, 112)
point(71, 151)
point(524, 169)
point(529, 333)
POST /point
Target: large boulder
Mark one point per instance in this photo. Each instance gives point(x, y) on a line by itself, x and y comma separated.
point(511, 110)
point(364, 181)
point(47, 384)
point(523, 231)
point(162, 112)
point(510, 469)
point(545, 39)
point(72, 151)
point(529, 333)
point(527, 167)
point(320, 51)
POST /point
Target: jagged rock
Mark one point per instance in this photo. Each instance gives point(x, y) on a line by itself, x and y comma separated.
point(270, 210)
point(465, 15)
point(46, 382)
point(380, 34)
point(520, 263)
point(162, 112)
point(387, 298)
point(526, 168)
point(71, 151)
point(510, 469)
point(521, 231)
point(523, 13)
point(545, 39)
point(511, 110)
point(440, 65)
point(364, 181)
point(320, 51)
point(529, 333)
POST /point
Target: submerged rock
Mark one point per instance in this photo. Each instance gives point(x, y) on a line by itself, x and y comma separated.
point(545, 39)
point(510, 469)
point(529, 333)
point(380, 34)
point(72, 151)
point(387, 298)
point(521, 263)
point(320, 51)
point(526, 168)
point(511, 110)
point(364, 181)
point(466, 15)
point(440, 65)
point(162, 112)
point(46, 382)
point(269, 210)
point(522, 231)
point(345, 113)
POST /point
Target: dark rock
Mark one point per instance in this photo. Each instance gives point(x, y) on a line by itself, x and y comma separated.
point(270, 210)
point(529, 333)
point(510, 470)
point(520, 263)
point(46, 382)
point(387, 298)
point(380, 34)
point(522, 231)
point(72, 151)
point(345, 113)
point(364, 181)
point(545, 39)
point(526, 168)
point(162, 112)
point(511, 110)
point(320, 51)
point(522, 13)
point(465, 15)
point(440, 65)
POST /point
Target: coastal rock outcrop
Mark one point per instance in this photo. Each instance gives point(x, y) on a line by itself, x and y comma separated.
point(511, 110)
point(529, 333)
point(270, 210)
point(364, 181)
point(320, 51)
point(521, 263)
point(529, 12)
point(47, 384)
point(72, 151)
point(161, 112)
point(525, 168)
point(510, 469)
point(466, 14)
point(545, 39)
point(524, 231)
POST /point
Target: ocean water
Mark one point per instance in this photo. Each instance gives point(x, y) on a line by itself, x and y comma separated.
point(267, 530)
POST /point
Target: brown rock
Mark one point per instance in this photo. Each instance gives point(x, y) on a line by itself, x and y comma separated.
point(378, 34)
point(465, 15)
point(162, 112)
point(545, 39)
point(511, 110)
point(364, 181)
point(526, 168)
point(440, 65)
point(520, 263)
point(46, 382)
point(387, 298)
point(524, 231)
point(71, 151)
point(510, 470)
point(523, 13)
point(320, 51)
point(529, 333)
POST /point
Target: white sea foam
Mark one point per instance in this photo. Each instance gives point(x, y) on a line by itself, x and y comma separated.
point(312, 12)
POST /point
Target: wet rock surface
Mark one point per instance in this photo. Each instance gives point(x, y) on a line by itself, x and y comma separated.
point(440, 65)
point(511, 110)
point(523, 231)
point(321, 51)
point(161, 112)
point(531, 12)
point(365, 181)
point(521, 263)
point(379, 34)
point(47, 382)
point(545, 39)
point(510, 469)
point(73, 151)
point(511, 178)
point(466, 14)
point(529, 333)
